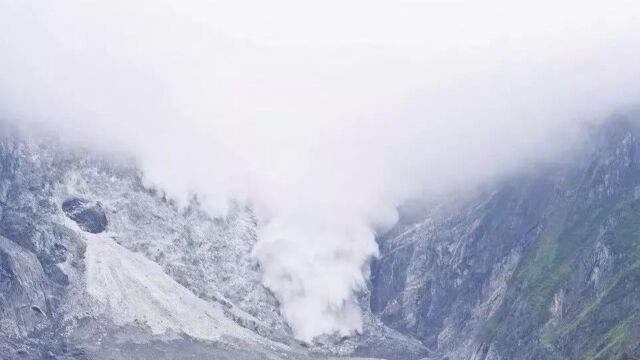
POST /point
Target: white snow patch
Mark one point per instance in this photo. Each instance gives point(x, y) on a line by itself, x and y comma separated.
point(135, 290)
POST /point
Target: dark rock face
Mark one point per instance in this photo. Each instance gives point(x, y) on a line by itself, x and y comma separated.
point(33, 288)
point(23, 290)
point(88, 215)
point(543, 266)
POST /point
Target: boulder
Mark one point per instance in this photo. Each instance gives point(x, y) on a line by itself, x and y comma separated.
point(90, 216)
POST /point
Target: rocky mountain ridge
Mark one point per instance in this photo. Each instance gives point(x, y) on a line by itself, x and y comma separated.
point(542, 265)
point(96, 265)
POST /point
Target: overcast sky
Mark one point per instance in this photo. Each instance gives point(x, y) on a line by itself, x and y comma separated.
point(323, 116)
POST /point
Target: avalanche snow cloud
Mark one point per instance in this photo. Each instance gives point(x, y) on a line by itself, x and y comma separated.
point(322, 116)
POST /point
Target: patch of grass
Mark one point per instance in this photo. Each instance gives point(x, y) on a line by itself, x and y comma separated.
point(569, 235)
point(614, 340)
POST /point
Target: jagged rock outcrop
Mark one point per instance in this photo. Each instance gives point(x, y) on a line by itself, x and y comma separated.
point(541, 266)
point(24, 290)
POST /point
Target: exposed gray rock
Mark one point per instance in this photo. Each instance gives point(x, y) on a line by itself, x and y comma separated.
point(543, 265)
point(55, 201)
point(88, 215)
point(23, 291)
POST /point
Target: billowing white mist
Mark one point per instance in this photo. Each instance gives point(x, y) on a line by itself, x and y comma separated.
point(323, 116)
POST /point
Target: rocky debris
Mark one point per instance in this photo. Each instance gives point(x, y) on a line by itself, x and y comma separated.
point(88, 215)
point(49, 211)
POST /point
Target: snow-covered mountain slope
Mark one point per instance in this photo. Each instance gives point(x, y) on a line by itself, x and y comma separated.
point(134, 290)
point(95, 265)
point(121, 266)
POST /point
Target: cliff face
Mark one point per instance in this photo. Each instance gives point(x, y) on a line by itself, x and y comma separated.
point(95, 265)
point(545, 265)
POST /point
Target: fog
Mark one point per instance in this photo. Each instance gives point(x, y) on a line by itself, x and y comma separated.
point(323, 117)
